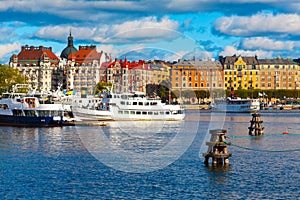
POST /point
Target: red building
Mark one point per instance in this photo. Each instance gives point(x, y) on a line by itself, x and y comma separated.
point(127, 76)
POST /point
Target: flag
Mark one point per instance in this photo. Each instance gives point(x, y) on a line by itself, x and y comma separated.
point(264, 94)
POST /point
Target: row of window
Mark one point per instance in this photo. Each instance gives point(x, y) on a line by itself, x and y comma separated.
point(240, 73)
point(196, 78)
point(235, 78)
point(269, 85)
point(245, 85)
point(133, 112)
point(279, 67)
point(196, 73)
point(278, 73)
point(140, 103)
point(196, 85)
point(283, 78)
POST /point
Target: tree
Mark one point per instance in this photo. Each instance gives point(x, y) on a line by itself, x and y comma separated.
point(101, 87)
point(9, 77)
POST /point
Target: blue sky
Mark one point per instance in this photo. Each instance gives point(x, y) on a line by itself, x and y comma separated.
point(155, 29)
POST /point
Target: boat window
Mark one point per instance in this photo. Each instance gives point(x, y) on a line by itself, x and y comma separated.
point(132, 112)
point(134, 103)
point(126, 112)
point(140, 103)
point(29, 113)
point(144, 113)
point(150, 113)
point(162, 113)
point(138, 112)
point(42, 113)
point(3, 106)
point(146, 103)
point(122, 102)
point(17, 113)
point(128, 103)
point(167, 112)
point(120, 112)
point(155, 113)
point(153, 103)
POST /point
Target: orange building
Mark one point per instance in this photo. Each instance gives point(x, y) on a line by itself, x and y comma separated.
point(197, 75)
point(279, 74)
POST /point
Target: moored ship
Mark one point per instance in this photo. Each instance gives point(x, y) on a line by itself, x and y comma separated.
point(18, 110)
point(235, 105)
point(135, 106)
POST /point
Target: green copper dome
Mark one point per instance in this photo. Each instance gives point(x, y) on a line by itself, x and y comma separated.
point(69, 49)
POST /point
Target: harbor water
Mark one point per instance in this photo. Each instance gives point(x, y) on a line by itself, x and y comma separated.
point(152, 160)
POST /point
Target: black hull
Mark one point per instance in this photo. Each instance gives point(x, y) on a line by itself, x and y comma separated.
point(44, 121)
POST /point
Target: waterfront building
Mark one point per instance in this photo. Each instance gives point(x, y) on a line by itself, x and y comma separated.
point(83, 68)
point(127, 76)
point(240, 72)
point(197, 75)
point(279, 73)
point(161, 72)
point(36, 64)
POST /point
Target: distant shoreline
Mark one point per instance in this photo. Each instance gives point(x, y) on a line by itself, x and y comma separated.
point(207, 108)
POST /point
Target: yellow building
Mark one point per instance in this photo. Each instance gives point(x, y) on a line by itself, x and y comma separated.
point(161, 72)
point(240, 72)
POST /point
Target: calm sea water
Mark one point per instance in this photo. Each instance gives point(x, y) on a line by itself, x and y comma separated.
point(76, 162)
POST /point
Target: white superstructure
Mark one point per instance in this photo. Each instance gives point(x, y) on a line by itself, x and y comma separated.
point(135, 106)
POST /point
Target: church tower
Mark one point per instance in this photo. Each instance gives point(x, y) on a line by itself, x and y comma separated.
point(69, 49)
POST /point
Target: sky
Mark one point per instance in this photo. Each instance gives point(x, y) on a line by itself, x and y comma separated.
point(154, 29)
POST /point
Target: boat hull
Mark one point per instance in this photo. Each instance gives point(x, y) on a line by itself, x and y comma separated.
point(43, 121)
point(88, 114)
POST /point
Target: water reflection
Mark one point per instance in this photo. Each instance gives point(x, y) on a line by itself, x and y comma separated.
point(139, 146)
point(42, 140)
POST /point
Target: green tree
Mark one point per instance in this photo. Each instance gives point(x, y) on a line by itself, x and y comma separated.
point(9, 77)
point(101, 87)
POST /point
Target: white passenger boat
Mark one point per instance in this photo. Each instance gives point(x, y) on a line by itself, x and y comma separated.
point(91, 108)
point(237, 105)
point(135, 106)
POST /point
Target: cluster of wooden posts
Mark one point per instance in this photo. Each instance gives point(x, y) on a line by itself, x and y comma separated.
point(217, 146)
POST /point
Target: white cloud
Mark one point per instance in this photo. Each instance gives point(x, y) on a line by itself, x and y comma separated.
point(231, 50)
point(147, 29)
point(116, 51)
point(267, 44)
point(259, 24)
point(6, 49)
